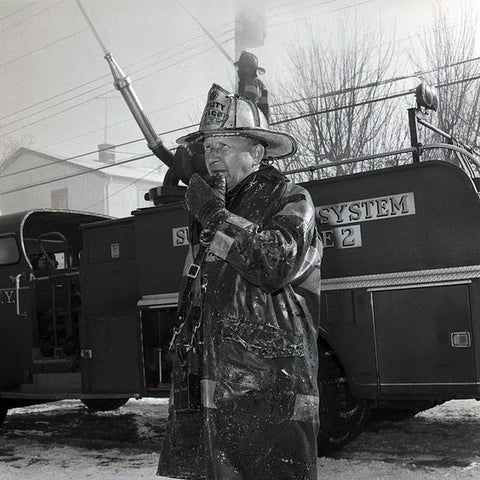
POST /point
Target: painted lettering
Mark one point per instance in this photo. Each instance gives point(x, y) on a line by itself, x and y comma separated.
point(399, 205)
point(216, 105)
point(367, 209)
point(355, 212)
point(8, 296)
point(342, 237)
point(327, 238)
point(382, 207)
point(324, 217)
point(180, 236)
point(215, 114)
point(338, 211)
point(348, 237)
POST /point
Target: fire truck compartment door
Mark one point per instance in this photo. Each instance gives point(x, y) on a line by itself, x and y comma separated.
point(16, 323)
point(17, 317)
point(421, 345)
point(111, 353)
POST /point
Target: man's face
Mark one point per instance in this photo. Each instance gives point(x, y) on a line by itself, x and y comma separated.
point(233, 157)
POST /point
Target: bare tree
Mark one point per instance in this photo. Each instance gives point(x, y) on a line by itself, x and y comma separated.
point(342, 81)
point(446, 55)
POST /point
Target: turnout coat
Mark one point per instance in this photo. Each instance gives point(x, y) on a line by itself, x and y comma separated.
point(245, 403)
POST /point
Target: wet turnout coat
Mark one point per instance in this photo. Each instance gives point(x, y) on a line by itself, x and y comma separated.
point(246, 397)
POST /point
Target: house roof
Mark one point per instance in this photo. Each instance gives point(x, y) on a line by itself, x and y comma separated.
point(100, 168)
point(124, 171)
point(23, 150)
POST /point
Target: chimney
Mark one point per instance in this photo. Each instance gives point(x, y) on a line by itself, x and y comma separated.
point(106, 153)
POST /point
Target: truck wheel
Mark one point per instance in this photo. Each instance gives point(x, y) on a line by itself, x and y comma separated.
point(3, 414)
point(342, 417)
point(104, 404)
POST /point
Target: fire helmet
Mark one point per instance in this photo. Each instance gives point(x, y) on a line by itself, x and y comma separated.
point(250, 60)
point(228, 114)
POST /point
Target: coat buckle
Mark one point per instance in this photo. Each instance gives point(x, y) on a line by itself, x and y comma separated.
point(193, 270)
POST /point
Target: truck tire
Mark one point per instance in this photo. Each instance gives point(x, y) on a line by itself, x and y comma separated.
point(342, 417)
point(104, 404)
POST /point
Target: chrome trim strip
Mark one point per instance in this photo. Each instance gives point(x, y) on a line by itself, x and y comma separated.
point(419, 285)
point(402, 278)
point(454, 148)
point(158, 300)
point(425, 384)
point(314, 168)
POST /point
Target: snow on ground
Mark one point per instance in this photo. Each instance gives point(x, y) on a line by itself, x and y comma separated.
point(62, 440)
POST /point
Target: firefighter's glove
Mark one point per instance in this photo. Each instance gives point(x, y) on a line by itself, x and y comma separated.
point(206, 199)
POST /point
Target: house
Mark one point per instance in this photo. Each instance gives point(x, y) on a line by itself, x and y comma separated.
point(31, 179)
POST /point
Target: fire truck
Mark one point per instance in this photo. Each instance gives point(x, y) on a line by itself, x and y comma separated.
point(88, 303)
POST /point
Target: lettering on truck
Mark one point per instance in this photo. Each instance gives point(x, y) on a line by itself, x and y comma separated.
point(7, 296)
point(181, 236)
point(346, 213)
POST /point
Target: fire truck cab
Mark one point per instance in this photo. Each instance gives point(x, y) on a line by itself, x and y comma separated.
point(40, 298)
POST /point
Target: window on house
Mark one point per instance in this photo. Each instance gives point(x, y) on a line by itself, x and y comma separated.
point(60, 198)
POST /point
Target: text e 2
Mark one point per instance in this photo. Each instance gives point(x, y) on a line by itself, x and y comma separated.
point(342, 237)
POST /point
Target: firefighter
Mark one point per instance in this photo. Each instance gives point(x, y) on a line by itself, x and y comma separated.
point(245, 401)
point(249, 85)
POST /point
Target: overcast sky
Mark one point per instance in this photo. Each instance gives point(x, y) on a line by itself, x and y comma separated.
point(55, 82)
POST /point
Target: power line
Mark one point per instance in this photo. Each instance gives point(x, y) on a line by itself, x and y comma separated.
point(366, 102)
point(291, 119)
point(52, 115)
point(345, 90)
point(32, 16)
point(205, 31)
point(26, 117)
point(130, 119)
point(119, 191)
point(102, 93)
point(53, 97)
point(343, 107)
point(63, 160)
point(42, 48)
point(18, 10)
point(108, 76)
point(273, 123)
point(455, 82)
point(284, 103)
point(295, 10)
point(100, 86)
point(72, 175)
point(322, 13)
point(378, 83)
point(183, 59)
